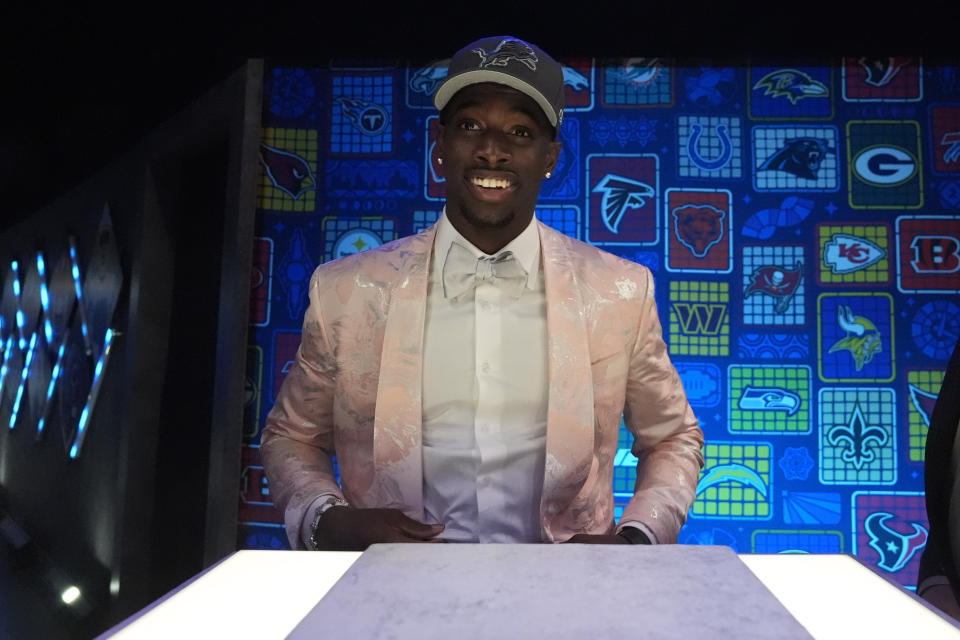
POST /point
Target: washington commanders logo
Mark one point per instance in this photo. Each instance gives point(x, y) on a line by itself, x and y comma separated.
point(508, 50)
point(895, 548)
point(620, 194)
point(698, 227)
point(846, 253)
point(779, 283)
point(862, 339)
point(791, 84)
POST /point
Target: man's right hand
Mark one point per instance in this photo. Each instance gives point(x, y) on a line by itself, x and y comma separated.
point(349, 529)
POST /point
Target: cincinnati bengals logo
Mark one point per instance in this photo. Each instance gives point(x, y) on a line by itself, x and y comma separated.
point(935, 254)
point(698, 227)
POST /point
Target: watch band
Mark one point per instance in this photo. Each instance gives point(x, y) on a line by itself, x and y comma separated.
point(330, 502)
point(634, 535)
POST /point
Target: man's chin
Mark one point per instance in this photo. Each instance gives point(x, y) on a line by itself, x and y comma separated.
point(487, 220)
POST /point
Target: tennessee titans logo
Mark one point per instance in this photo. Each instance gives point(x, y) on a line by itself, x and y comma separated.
point(857, 436)
point(507, 51)
point(777, 282)
point(620, 194)
point(880, 71)
point(895, 548)
point(769, 399)
point(722, 158)
point(370, 118)
point(287, 171)
point(862, 339)
point(791, 84)
point(428, 78)
point(698, 227)
point(800, 156)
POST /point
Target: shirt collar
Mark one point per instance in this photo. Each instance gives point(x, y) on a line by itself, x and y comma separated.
point(525, 247)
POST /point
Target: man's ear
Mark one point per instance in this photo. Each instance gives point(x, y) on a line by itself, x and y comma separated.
point(553, 155)
point(441, 134)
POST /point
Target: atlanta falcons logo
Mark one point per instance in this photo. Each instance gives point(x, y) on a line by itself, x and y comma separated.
point(620, 194)
point(791, 84)
point(895, 548)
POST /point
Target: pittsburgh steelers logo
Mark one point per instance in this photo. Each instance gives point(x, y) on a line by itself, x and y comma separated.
point(355, 241)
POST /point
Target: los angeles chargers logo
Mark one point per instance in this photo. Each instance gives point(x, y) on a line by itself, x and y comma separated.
point(801, 157)
point(733, 472)
point(507, 51)
point(857, 438)
point(846, 253)
point(287, 171)
point(895, 548)
point(620, 194)
point(791, 84)
point(698, 227)
point(370, 118)
point(862, 339)
point(779, 283)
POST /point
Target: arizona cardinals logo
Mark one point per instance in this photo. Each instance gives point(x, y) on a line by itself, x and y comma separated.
point(507, 51)
point(287, 171)
point(370, 118)
point(639, 71)
point(620, 194)
point(880, 71)
point(923, 402)
point(895, 548)
point(800, 156)
point(777, 282)
point(428, 78)
point(769, 399)
point(791, 84)
point(862, 339)
point(857, 436)
point(698, 227)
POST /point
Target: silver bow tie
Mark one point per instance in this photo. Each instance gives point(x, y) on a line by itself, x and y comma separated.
point(462, 272)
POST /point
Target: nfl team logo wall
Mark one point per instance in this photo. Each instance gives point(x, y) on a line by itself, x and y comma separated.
point(796, 541)
point(884, 170)
point(623, 199)
point(945, 139)
point(928, 254)
point(890, 530)
point(699, 224)
point(736, 482)
point(795, 158)
point(854, 254)
point(882, 79)
point(858, 435)
point(856, 337)
point(791, 93)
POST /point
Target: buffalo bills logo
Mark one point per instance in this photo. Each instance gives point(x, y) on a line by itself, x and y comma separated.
point(895, 548)
point(698, 227)
point(800, 156)
point(507, 51)
point(287, 171)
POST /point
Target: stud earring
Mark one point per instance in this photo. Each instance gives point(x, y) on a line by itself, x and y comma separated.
point(440, 161)
point(547, 175)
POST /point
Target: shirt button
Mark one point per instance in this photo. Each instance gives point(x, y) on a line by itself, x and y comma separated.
point(485, 367)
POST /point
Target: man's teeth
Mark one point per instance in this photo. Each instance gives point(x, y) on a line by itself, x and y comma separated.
point(491, 183)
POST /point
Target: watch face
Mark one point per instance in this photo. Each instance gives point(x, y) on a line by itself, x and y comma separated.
point(936, 328)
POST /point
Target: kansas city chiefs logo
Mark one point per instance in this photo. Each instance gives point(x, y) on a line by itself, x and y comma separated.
point(698, 227)
point(847, 253)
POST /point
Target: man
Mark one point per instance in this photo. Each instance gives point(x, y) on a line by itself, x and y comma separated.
point(471, 379)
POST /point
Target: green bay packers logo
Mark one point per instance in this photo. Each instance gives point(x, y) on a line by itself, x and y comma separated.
point(884, 165)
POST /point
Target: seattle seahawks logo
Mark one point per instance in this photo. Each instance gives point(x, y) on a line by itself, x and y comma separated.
point(620, 194)
point(895, 548)
point(370, 118)
point(287, 171)
point(857, 436)
point(428, 78)
point(769, 399)
point(791, 84)
point(801, 157)
point(507, 51)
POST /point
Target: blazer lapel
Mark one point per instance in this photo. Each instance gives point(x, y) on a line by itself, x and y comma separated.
point(398, 469)
point(570, 415)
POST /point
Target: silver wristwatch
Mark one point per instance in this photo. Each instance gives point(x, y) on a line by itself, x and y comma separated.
point(331, 501)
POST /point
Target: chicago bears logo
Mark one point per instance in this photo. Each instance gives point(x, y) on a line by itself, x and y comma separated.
point(791, 84)
point(777, 282)
point(895, 548)
point(507, 51)
point(801, 157)
point(698, 227)
point(935, 254)
point(862, 339)
point(287, 171)
point(620, 194)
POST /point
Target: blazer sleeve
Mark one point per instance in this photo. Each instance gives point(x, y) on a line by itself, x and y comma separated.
point(297, 442)
point(667, 435)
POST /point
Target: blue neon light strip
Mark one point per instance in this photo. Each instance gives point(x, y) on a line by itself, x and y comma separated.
point(92, 397)
point(21, 320)
point(23, 381)
point(5, 367)
point(44, 298)
point(75, 271)
point(50, 388)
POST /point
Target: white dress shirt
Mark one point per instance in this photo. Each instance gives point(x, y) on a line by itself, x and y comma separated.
point(485, 400)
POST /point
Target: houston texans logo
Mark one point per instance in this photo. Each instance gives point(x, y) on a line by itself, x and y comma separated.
point(287, 171)
point(733, 472)
point(722, 158)
point(880, 71)
point(857, 436)
point(791, 84)
point(895, 548)
point(428, 78)
point(800, 156)
point(862, 339)
point(769, 399)
point(508, 50)
point(620, 194)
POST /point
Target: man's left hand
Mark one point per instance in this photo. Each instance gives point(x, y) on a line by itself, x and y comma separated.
point(589, 538)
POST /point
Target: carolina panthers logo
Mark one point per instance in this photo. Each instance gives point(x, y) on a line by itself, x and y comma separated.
point(862, 339)
point(370, 118)
point(620, 194)
point(801, 156)
point(791, 84)
point(287, 171)
point(895, 548)
point(698, 227)
point(507, 51)
point(880, 71)
point(428, 78)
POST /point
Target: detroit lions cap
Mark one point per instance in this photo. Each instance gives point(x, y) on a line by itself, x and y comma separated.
point(510, 61)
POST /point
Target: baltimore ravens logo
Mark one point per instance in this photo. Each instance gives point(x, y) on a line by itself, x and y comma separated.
point(698, 227)
point(791, 84)
point(287, 171)
point(895, 548)
point(507, 51)
point(620, 194)
point(370, 118)
point(862, 339)
point(800, 156)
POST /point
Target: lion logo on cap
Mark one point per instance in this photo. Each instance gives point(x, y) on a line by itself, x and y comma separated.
point(506, 51)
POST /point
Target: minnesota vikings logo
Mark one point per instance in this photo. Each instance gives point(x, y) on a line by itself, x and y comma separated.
point(791, 84)
point(895, 548)
point(620, 194)
point(508, 50)
point(801, 157)
point(698, 227)
point(370, 118)
point(862, 339)
point(857, 436)
point(779, 283)
point(287, 171)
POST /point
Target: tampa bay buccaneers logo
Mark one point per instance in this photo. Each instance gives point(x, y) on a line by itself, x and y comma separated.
point(620, 194)
point(791, 84)
point(287, 171)
point(779, 283)
point(895, 548)
point(698, 227)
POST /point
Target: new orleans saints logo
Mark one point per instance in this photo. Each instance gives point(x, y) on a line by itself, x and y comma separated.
point(857, 436)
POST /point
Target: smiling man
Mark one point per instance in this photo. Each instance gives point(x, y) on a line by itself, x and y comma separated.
point(471, 379)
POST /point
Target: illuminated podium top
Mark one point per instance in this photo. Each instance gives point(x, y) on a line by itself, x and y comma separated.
point(275, 594)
